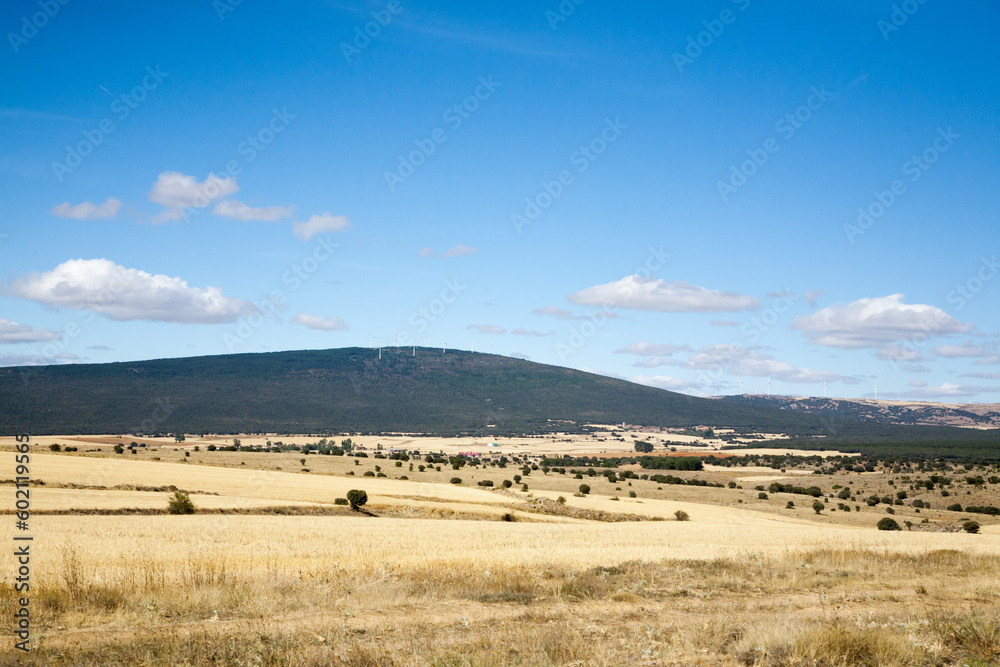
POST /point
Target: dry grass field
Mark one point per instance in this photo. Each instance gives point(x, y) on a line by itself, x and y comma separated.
point(431, 575)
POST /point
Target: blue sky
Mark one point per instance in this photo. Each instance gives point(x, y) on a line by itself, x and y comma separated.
point(686, 197)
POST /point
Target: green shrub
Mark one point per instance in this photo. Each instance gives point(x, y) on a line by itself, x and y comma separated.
point(817, 506)
point(681, 515)
point(507, 484)
point(954, 508)
point(887, 523)
point(971, 527)
point(761, 496)
point(631, 494)
point(54, 447)
point(368, 473)
point(485, 482)
point(790, 505)
point(508, 516)
point(340, 501)
point(180, 504)
point(456, 480)
point(561, 500)
point(584, 489)
point(357, 498)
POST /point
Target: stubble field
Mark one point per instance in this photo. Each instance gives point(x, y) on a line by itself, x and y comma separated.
point(432, 576)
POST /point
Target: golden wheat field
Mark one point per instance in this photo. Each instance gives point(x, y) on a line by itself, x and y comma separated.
point(270, 571)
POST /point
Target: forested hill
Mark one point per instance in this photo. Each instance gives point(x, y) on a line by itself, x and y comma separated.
point(351, 389)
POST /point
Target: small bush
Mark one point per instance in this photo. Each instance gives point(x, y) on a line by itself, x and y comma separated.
point(368, 473)
point(817, 506)
point(584, 489)
point(681, 515)
point(631, 494)
point(485, 482)
point(790, 505)
point(456, 480)
point(507, 484)
point(761, 496)
point(54, 447)
point(340, 501)
point(508, 516)
point(180, 504)
point(971, 527)
point(561, 500)
point(887, 523)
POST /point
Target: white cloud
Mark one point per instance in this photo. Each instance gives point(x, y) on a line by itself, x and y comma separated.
point(899, 352)
point(124, 294)
point(724, 323)
point(965, 350)
point(651, 349)
point(528, 332)
point(175, 192)
point(876, 322)
point(88, 210)
point(486, 328)
point(12, 332)
point(320, 323)
point(812, 296)
point(917, 382)
point(669, 383)
point(949, 390)
point(230, 208)
point(458, 250)
point(655, 362)
point(36, 359)
point(989, 361)
point(982, 376)
point(318, 224)
point(563, 314)
point(751, 361)
point(636, 293)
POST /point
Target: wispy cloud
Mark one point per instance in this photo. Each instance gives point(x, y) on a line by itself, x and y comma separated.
point(88, 210)
point(230, 208)
point(458, 250)
point(320, 323)
point(486, 328)
point(318, 224)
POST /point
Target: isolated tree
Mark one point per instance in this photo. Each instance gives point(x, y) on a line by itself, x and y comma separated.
point(971, 527)
point(179, 437)
point(817, 506)
point(681, 515)
point(357, 498)
point(584, 489)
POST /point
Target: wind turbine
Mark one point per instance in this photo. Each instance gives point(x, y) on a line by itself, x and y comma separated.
point(769, 387)
point(370, 339)
point(379, 351)
point(444, 346)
